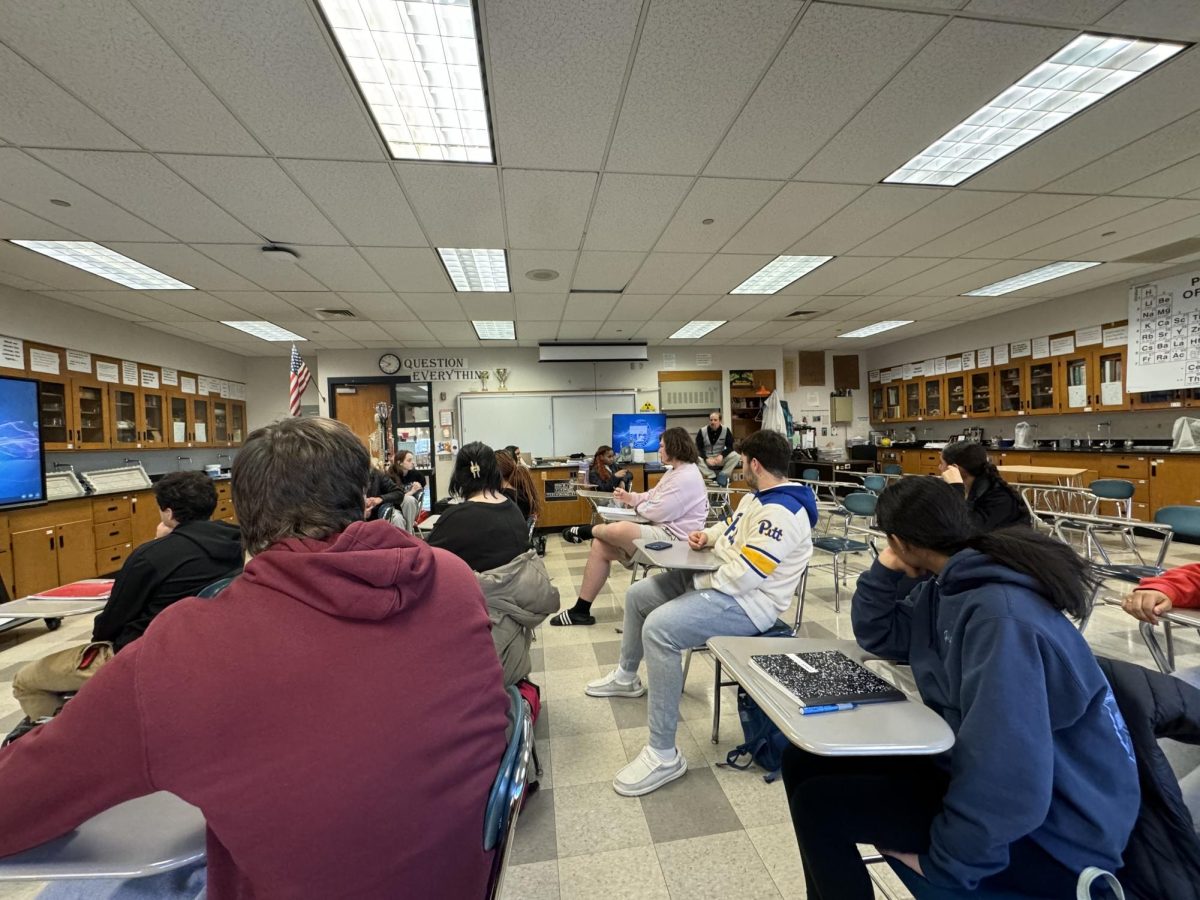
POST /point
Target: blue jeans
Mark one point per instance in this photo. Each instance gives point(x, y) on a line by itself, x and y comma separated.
point(664, 616)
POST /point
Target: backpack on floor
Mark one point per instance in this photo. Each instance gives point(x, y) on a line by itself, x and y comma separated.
point(764, 742)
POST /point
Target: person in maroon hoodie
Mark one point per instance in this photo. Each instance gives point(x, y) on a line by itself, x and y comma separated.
point(338, 712)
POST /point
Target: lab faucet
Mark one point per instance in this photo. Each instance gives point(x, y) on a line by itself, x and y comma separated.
point(180, 459)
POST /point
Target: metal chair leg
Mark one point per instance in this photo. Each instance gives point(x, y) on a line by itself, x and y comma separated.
point(716, 732)
point(801, 589)
point(1170, 639)
point(837, 586)
point(1156, 653)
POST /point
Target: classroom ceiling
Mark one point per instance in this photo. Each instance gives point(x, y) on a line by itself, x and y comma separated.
point(186, 135)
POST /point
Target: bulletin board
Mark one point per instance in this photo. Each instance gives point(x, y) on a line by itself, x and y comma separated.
point(1164, 334)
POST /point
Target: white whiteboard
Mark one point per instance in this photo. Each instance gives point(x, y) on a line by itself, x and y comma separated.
point(544, 424)
point(584, 422)
point(1164, 334)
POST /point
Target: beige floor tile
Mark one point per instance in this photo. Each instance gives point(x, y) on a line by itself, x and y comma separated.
point(535, 881)
point(756, 802)
point(569, 684)
point(631, 874)
point(593, 818)
point(586, 758)
point(580, 715)
point(720, 867)
point(18, 891)
point(776, 846)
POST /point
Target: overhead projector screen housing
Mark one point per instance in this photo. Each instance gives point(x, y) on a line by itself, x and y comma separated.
point(592, 352)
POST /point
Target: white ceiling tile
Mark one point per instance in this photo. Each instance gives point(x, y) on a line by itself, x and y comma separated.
point(659, 329)
point(522, 261)
point(459, 205)
point(1095, 211)
point(260, 194)
point(1067, 12)
point(778, 307)
point(488, 307)
point(23, 283)
point(144, 186)
point(723, 273)
point(589, 307)
point(339, 268)
point(435, 307)
point(792, 213)
point(966, 64)
point(665, 273)
point(537, 331)
point(930, 281)
point(1010, 218)
point(578, 331)
point(1138, 159)
point(860, 307)
point(408, 269)
point(639, 307)
point(680, 99)
point(1173, 181)
point(997, 271)
point(248, 261)
point(304, 302)
point(272, 64)
point(600, 270)
point(261, 304)
point(540, 307)
point(406, 331)
point(363, 200)
point(730, 202)
point(734, 329)
point(382, 307)
point(35, 111)
point(1170, 19)
point(30, 184)
point(359, 331)
point(883, 278)
point(555, 77)
point(107, 55)
point(547, 210)
point(187, 264)
point(204, 304)
point(942, 216)
point(686, 307)
point(142, 306)
point(837, 58)
point(311, 329)
point(49, 272)
point(1150, 240)
point(880, 207)
point(16, 223)
point(1085, 243)
point(632, 210)
point(618, 330)
point(832, 275)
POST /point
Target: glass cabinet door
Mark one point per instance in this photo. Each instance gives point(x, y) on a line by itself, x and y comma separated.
point(90, 414)
point(153, 419)
point(876, 403)
point(1010, 393)
point(1041, 387)
point(892, 407)
point(912, 400)
point(933, 399)
point(125, 416)
point(53, 416)
point(1077, 387)
point(237, 422)
point(981, 393)
point(200, 421)
point(956, 395)
point(220, 420)
point(178, 407)
point(1110, 380)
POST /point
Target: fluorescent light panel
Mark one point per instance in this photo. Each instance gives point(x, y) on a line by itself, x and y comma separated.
point(779, 273)
point(475, 270)
point(1036, 276)
point(265, 330)
point(696, 329)
point(107, 264)
point(495, 331)
point(869, 330)
point(417, 65)
point(1085, 71)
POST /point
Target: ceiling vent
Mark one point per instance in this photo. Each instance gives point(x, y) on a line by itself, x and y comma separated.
point(801, 312)
point(1165, 253)
point(334, 315)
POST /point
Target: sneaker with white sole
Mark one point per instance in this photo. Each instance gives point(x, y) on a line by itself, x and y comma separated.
point(609, 686)
point(648, 773)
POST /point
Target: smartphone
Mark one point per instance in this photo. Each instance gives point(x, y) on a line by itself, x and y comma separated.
point(659, 545)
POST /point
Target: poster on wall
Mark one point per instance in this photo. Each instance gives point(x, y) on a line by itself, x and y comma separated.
point(953, 364)
point(1000, 354)
point(129, 373)
point(1041, 347)
point(984, 357)
point(1117, 336)
point(1062, 345)
point(1085, 337)
point(12, 352)
point(968, 361)
point(170, 377)
point(107, 372)
point(78, 361)
point(1164, 336)
point(939, 366)
point(43, 361)
point(1017, 349)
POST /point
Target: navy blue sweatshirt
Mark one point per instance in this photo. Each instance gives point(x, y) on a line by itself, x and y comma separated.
point(1040, 751)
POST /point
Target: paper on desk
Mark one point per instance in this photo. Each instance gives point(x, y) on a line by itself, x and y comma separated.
point(617, 511)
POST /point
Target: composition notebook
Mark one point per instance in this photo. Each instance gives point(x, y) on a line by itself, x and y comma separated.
point(824, 677)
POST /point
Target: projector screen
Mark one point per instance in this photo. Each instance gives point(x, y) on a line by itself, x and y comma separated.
point(22, 465)
point(639, 431)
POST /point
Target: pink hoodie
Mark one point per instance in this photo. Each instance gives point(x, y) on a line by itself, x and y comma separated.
point(679, 502)
point(338, 713)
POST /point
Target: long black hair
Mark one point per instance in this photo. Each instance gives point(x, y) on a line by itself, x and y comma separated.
point(929, 514)
point(475, 471)
point(973, 459)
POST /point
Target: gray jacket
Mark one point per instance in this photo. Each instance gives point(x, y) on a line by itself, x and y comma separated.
point(519, 598)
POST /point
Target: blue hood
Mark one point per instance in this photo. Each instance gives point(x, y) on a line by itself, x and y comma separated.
point(792, 497)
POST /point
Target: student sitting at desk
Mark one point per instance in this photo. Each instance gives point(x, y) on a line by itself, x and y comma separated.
point(763, 552)
point(189, 553)
point(1041, 782)
point(403, 472)
point(517, 486)
point(991, 501)
point(1159, 594)
point(676, 506)
point(602, 476)
point(337, 713)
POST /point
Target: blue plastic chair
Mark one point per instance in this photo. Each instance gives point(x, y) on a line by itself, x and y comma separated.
point(875, 483)
point(860, 504)
point(810, 475)
point(893, 469)
point(216, 587)
point(508, 792)
point(1118, 492)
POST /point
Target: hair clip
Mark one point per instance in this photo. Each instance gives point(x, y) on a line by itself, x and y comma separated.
point(475, 469)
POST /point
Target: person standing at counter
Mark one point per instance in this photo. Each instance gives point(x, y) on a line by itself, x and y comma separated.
point(715, 443)
point(991, 501)
point(677, 506)
point(602, 475)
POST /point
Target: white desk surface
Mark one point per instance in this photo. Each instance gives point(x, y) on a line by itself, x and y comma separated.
point(678, 556)
point(55, 609)
point(901, 728)
point(622, 514)
point(141, 837)
point(427, 523)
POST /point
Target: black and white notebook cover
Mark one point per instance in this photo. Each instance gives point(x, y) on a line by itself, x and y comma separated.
point(823, 677)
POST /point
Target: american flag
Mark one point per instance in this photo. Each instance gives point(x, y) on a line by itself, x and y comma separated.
point(298, 380)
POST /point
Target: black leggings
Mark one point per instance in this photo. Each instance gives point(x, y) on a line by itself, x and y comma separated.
point(889, 801)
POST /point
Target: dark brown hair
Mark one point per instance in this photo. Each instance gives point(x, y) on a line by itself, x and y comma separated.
point(190, 496)
point(771, 449)
point(679, 445)
point(298, 478)
point(598, 465)
point(518, 479)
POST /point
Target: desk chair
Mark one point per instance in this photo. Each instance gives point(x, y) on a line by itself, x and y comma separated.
point(875, 484)
point(508, 792)
point(596, 499)
point(893, 469)
point(858, 504)
point(1118, 492)
point(810, 475)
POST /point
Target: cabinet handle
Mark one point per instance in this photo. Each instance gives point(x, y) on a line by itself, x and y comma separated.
point(51, 543)
point(60, 542)
point(113, 533)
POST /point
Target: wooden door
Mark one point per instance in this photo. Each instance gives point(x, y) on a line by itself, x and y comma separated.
point(1174, 481)
point(35, 561)
point(933, 398)
point(1108, 370)
point(1010, 389)
point(220, 423)
point(1041, 382)
point(144, 518)
point(54, 412)
point(201, 420)
point(876, 402)
point(237, 422)
point(123, 401)
point(956, 395)
point(152, 417)
point(1077, 381)
point(357, 410)
point(179, 420)
point(76, 551)
point(981, 392)
point(891, 408)
point(912, 401)
point(90, 414)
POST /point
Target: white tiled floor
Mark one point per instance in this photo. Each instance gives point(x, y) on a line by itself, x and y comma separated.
point(714, 833)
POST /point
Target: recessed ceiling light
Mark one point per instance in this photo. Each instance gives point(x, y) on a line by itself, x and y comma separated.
point(869, 330)
point(106, 263)
point(475, 270)
point(1086, 70)
point(696, 329)
point(276, 253)
point(779, 273)
point(58, 202)
point(495, 331)
point(1028, 279)
point(417, 65)
point(541, 275)
point(266, 330)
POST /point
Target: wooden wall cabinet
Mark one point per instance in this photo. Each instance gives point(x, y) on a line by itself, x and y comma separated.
point(1174, 481)
point(933, 397)
point(1041, 387)
point(981, 395)
point(144, 517)
point(956, 396)
point(746, 403)
point(52, 545)
point(911, 393)
point(1010, 389)
point(875, 392)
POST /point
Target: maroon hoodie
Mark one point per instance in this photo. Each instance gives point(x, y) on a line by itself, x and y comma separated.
point(338, 713)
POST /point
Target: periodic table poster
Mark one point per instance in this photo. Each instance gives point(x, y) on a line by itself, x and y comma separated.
point(1164, 334)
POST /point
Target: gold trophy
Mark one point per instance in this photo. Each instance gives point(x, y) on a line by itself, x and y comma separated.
point(501, 379)
point(484, 375)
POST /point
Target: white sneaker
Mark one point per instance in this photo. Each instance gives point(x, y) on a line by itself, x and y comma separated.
point(609, 686)
point(648, 773)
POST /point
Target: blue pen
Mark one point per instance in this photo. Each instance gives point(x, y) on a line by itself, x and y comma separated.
point(832, 707)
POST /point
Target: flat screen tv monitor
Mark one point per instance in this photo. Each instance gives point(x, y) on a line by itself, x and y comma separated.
point(22, 463)
point(638, 431)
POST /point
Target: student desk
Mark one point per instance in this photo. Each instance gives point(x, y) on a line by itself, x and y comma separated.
point(678, 556)
point(1067, 477)
point(902, 728)
point(20, 612)
point(620, 514)
point(146, 836)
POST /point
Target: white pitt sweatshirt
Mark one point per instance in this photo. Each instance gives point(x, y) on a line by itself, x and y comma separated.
point(763, 551)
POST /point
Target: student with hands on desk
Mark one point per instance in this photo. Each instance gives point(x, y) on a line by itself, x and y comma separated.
point(1159, 594)
point(1041, 782)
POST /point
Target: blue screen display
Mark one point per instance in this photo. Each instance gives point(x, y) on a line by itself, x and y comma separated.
point(640, 431)
point(21, 473)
